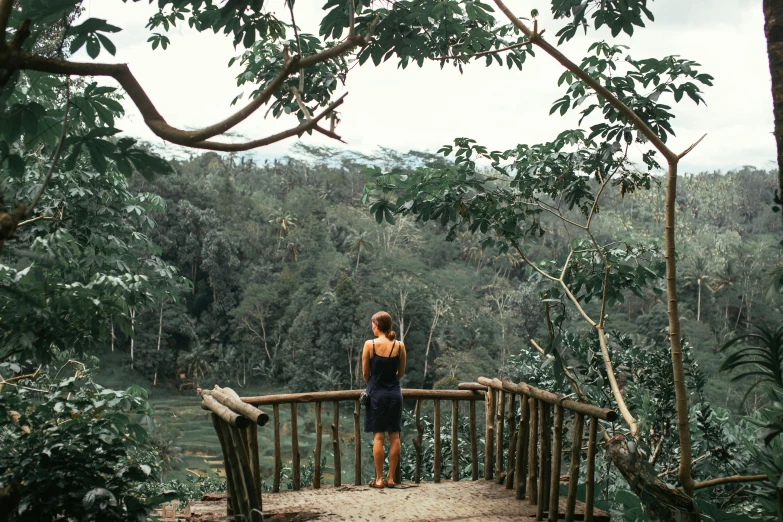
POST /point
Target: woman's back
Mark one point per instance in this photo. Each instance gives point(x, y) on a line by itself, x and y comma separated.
point(384, 363)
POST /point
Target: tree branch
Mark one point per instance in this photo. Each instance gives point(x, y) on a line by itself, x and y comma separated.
point(295, 131)
point(729, 480)
point(13, 59)
point(6, 8)
point(39, 218)
point(686, 151)
point(482, 53)
point(57, 151)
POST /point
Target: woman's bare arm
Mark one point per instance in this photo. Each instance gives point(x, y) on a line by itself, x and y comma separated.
point(401, 367)
point(366, 355)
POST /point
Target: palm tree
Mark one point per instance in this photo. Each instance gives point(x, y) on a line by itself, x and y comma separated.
point(723, 281)
point(284, 222)
point(696, 274)
point(357, 243)
point(196, 362)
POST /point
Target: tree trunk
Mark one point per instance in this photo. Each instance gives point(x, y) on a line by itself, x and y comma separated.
point(429, 341)
point(675, 333)
point(773, 30)
point(160, 334)
point(662, 502)
point(133, 333)
point(698, 305)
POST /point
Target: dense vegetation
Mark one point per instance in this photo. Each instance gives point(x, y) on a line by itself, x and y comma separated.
point(218, 269)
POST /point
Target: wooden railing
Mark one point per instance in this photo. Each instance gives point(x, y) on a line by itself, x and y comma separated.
point(532, 466)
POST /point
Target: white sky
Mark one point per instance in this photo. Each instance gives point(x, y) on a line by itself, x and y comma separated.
point(425, 108)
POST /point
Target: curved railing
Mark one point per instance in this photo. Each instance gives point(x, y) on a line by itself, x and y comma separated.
point(532, 466)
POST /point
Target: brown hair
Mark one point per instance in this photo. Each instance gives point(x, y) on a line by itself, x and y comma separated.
point(383, 322)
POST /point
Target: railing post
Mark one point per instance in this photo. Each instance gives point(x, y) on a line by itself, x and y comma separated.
point(489, 434)
point(232, 505)
point(590, 471)
point(436, 442)
point(544, 436)
point(336, 443)
point(417, 442)
point(255, 463)
point(253, 498)
point(557, 452)
point(573, 473)
point(532, 453)
point(278, 457)
point(499, 420)
point(523, 439)
point(317, 450)
point(512, 441)
point(454, 440)
point(295, 469)
point(473, 442)
point(357, 448)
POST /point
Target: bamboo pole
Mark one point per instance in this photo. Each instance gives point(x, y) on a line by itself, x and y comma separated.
point(336, 443)
point(489, 435)
point(209, 403)
point(253, 454)
point(554, 473)
point(353, 395)
point(229, 398)
point(573, 473)
point(232, 506)
point(473, 442)
point(512, 441)
point(240, 486)
point(436, 442)
point(590, 471)
point(278, 457)
point(523, 439)
point(547, 397)
point(253, 497)
point(543, 500)
point(317, 450)
point(295, 464)
point(454, 441)
point(499, 420)
point(417, 442)
point(357, 446)
point(532, 453)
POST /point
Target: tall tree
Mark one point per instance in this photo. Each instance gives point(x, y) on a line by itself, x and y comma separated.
point(773, 30)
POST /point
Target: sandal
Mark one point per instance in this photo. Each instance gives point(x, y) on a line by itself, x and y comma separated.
point(386, 483)
point(373, 484)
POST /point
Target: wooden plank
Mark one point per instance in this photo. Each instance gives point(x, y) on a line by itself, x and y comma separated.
point(336, 443)
point(543, 435)
point(317, 451)
point(357, 446)
point(473, 443)
point(417, 442)
point(573, 473)
point(532, 452)
point(436, 442)
point(523, 439)
point(296, 470)
point(240, 486)
point(554, 473)
point(590, 471)
point(278, 457)
point(512, 441)
point(454, 440)
point(499, 421)
point(489, 435)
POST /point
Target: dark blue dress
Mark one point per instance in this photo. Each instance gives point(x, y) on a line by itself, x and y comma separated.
point(383, 411)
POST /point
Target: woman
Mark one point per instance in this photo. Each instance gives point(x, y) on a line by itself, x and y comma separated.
point(383, 365)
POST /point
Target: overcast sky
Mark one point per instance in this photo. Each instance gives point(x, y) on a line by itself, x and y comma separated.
point(422, 109)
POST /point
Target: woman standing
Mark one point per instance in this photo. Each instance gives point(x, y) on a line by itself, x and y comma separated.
point(383, 365)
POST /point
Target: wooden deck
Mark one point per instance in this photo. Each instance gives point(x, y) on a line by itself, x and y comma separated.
point(463, 501)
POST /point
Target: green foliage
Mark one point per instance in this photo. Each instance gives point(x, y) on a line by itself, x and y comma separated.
point(73, 448)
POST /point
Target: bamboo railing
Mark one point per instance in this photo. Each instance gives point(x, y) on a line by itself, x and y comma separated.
point(533, 463)
point(533, 455)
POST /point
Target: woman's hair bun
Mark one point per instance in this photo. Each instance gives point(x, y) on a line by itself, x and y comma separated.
point(383, 322)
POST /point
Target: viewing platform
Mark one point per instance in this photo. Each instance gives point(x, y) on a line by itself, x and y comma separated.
point(522, 476)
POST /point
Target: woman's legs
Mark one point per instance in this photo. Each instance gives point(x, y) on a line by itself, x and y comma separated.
point(394, 456)
point(377, 455)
